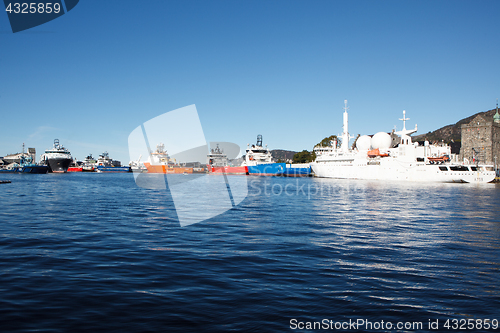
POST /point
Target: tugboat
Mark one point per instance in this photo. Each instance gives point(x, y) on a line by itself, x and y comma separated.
point(138, 166)
point(218, 164)
point(28, 166)
point(75, 166)
point(57, 159)
point(89, 164)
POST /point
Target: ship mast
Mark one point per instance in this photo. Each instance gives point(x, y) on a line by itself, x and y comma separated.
point(345, 134)
point(405, 134)
point(404, 119)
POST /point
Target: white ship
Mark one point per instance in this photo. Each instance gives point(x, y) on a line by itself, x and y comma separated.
point(376, 158)
point(57, 159)
point(257, 154)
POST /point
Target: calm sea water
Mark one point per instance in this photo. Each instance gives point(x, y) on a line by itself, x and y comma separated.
point(95, 252)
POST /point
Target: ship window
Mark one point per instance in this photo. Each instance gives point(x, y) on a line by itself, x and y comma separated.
point(473, 168)
point(420, 159)
point(443, 168)
point(459, 168)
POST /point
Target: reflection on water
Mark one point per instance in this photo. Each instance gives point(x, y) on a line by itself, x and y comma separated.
point(96, 252)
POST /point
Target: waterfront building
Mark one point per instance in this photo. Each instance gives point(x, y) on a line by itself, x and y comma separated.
point(481, 139)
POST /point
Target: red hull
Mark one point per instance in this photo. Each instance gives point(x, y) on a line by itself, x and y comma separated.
point(75, 169)
point(240, 170)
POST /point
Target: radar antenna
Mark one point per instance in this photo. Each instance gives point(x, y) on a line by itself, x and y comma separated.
point(259, 140)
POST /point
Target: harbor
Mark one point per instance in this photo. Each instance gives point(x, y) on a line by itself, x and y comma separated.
point(381, 156)
point(250, 166)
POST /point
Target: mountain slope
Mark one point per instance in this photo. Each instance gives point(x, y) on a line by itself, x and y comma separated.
point(452, 132)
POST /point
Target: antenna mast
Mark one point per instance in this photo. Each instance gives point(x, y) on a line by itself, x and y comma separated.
point(345, 134)
point(404, 119)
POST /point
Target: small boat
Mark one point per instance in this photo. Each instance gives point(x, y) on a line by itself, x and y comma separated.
point(89, 164)
point(438, 160)
point(376, 153)
point(5, 181)
point(106, 164)
point(75, 166)
point(138, 166)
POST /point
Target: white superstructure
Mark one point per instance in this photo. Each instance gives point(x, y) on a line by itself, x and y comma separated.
point(57, 159)
point(257, 154)
point(376, 158)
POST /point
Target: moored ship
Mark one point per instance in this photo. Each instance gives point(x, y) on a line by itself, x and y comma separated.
point(57, 159)
point(28, 165)
point(75, 166)
point(218, 163)
point(89, 164)
point(106, 164)
point(160, 162)
point(376, 158)
point(138, 166)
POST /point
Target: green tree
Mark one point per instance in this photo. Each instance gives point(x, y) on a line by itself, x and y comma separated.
point(303, 157)
point(327, 142)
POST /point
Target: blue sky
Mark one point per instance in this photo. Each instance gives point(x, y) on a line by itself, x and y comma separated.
point(277, 68)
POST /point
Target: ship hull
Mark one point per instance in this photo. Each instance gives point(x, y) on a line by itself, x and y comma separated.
point(167, 169)
point(388, 170)
point(229, 170)
point(13, 170)
point(267, 169)
point(37, 169)
point(75, 169)
point(58, 165)
point(101, 168)
point(297, 170)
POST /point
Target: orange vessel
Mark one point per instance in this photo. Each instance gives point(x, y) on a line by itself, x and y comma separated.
point(166, 168)
point(160, 162)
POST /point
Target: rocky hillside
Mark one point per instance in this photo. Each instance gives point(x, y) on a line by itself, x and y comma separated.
point(452, 133)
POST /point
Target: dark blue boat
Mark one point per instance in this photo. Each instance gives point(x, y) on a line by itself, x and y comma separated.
point(27, 166)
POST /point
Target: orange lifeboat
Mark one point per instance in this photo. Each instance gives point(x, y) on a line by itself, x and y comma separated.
point(440, 159)
point(376, 152)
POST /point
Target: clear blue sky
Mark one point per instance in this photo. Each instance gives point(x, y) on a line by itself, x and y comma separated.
point(277, 68)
